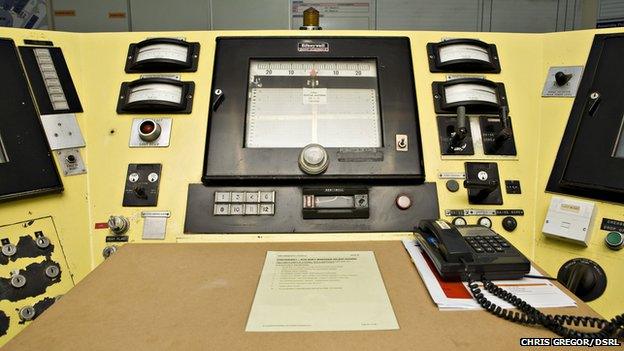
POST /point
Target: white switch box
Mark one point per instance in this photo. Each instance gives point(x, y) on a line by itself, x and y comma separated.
point(570, 220)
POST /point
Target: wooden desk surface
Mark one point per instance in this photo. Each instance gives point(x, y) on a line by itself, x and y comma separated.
point(198, 296)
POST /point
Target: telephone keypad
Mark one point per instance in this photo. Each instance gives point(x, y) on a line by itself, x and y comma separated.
point(488, 243)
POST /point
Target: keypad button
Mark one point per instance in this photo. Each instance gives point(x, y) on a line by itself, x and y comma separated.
point(267, 196)
point(505, 245)
point(251, 196)
point(479, 249)
point(489, 249)
point(221, 209)
point(222, 196)
point(251, 209)
point(267, 209)
point(238, 197)
point(237, 209)
point(499, 249)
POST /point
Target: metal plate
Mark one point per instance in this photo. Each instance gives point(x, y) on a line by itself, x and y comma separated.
point(163, 139)
point(551, 89)
point(155, 224)
point(71, 162)
point(62, 131)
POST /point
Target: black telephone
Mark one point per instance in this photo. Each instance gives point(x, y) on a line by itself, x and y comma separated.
point(454, 250)
point(473, 252)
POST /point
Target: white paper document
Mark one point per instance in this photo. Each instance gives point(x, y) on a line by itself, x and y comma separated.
point(320, 291)
point(537, 292)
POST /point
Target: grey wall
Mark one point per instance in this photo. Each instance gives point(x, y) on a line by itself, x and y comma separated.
point(460, 15)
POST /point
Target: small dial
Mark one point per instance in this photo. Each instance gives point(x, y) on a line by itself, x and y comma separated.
point(485, 221)
point(459, 221)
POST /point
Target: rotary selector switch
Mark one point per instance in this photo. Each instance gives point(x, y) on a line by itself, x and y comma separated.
point(313, 159)
point(27, 313)
point(118, 224)
point(149, 130)
point(52, 271)
point(9, 250)
point(42, 242)
point(17, 280)
point(108, 251)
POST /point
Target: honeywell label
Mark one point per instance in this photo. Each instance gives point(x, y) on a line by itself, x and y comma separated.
point(312, 47)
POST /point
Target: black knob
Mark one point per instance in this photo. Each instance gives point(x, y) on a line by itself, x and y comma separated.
point(584, 277)
point(452, 185)
point(562, 79)
point(510, 224)
point(140, 192)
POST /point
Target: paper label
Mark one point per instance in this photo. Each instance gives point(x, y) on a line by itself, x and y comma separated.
point(314, 96)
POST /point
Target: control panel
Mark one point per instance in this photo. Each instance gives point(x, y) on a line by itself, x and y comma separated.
point(288, 135)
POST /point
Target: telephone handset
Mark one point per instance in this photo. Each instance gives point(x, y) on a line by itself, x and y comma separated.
point(454, 249)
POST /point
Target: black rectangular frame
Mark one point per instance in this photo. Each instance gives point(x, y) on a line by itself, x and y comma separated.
point(156, 106)
point(31, 169)
point(586, 104)
point(159, 64)
point(38, 84)
point(441, 107)
point(226, 158)
point(462, 65)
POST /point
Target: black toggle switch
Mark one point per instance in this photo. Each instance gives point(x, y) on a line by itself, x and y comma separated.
point(584, 277)
point(562, 79)
point(140, 192)
point(461, 131)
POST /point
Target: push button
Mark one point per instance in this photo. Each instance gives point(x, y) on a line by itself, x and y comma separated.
point(267, 209)
point(267, 196)
point(251, 196)
point(238, 197)
point(222, 196)
point(251, 209)
point(221, 209)
point(237, 209)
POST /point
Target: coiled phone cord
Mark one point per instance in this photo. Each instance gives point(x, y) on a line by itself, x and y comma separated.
point(528, 315)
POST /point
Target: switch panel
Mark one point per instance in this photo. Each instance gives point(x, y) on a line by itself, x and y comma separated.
point(142, 184)
point(497, 138)
point(450, 143)
point(483, 183)
point(562, 81)
point(244, 203)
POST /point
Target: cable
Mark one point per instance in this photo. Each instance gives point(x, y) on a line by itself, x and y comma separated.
point(528, 315)
point(538, 277)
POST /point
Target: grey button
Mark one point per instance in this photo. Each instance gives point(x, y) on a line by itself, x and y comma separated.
point(267, 196)
point(238, 197)
point(251, 209)
point(267, 209)
point(222, 196)
point(251, 196)
point(221, 209)
point(237, 209)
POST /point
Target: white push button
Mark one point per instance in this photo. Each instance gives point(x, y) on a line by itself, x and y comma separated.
point(251, 196)
point(267, 209)
point(251, 209)
point(221, 209)
point(222, 196)
point(267, 196)
point(403, 202)
point(237, 209)
point(313, 159)
point(238, 197)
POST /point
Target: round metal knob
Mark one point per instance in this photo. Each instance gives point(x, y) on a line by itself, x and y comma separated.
point(42, 242)
point(118, 224)
point(27, 313)
point(313, 159)
point(18, 281)
point(9, 250)
point(149, 130)
point(109, 250)
point(52, 271)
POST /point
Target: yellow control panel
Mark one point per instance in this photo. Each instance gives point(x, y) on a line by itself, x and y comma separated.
point(76, 221)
